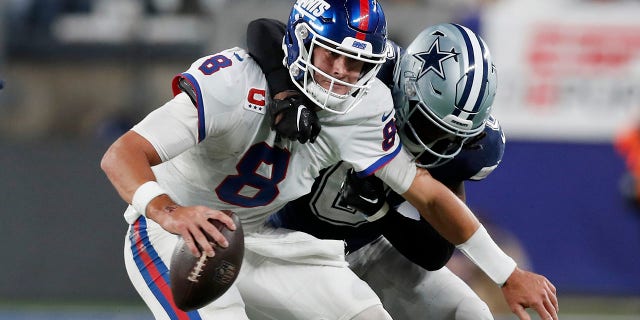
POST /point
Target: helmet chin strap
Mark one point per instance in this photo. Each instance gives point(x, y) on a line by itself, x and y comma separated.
point(326, 98)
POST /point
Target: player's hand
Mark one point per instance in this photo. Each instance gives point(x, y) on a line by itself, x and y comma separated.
point(293, 118)
point(525, 289)
point(191, 223)
point(366, 195)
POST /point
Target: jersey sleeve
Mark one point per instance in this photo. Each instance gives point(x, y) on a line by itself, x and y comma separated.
point(371, 140)
point(399, 173)
point(264, 43)
point(215, 85)
point(171, 129)
point(477, 159)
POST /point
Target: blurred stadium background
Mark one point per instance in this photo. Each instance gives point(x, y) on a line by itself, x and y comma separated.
point(77, 73)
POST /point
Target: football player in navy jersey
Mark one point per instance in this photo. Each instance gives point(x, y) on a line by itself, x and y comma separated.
point(390, 246)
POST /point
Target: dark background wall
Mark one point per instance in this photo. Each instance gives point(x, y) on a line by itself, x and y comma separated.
point(62, 229)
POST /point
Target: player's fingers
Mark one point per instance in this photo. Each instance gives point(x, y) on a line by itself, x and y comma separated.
point(224, 218)
point(551, 292)
point(314, 132)
point(191, 245)
point(552, 287)
point(542, 311)
point(519, 311)
point(203, 242)
point(551, 309)
point(215, 234)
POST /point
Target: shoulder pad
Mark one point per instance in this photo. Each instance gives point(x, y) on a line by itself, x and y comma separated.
point(478, 162)
point(387, 71)
point(186, 87)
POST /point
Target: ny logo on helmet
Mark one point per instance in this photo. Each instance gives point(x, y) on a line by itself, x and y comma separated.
point(314, 7)
point(359, 45)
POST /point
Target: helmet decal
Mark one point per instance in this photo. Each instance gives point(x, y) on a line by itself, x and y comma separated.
point(315, 8)
point(433, 58)
point(363, 21)
point(478, 65)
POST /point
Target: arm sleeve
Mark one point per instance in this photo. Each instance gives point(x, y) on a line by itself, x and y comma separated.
point(264, 42)
point(417, 240)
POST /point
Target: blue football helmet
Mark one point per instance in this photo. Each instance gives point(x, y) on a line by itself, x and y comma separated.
point(356, 29)
point(444, 89)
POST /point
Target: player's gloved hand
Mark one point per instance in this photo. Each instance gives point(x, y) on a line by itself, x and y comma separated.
point(366, 195)
point(293, 119)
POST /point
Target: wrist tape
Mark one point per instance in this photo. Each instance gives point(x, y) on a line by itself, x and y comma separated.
point(486, 254)
point(144, 194)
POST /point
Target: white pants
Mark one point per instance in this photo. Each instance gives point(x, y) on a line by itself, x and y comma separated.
point(314, 287)
point(408, 291)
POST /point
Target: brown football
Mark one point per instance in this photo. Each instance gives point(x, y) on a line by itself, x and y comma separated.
point(196, 282)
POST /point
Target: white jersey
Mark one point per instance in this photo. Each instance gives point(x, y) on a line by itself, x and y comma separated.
point(223, 154)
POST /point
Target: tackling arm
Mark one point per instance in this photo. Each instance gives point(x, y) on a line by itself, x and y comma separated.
point(407, 235)
point(453, 219)
point(290, 116)
point(442, 208)
point(264, 43)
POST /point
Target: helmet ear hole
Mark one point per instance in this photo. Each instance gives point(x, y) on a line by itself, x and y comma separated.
point(302, 32)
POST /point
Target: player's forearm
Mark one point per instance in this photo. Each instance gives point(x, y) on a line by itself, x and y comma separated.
point(456, 223)
point(442, 208)
point(127, 163)
point(458, 189)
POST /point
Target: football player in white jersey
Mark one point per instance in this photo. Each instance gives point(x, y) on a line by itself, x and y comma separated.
point(211, 148)
point(434, 65)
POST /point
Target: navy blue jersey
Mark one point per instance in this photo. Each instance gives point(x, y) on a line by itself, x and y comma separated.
point(387, 71)
point(477, 159)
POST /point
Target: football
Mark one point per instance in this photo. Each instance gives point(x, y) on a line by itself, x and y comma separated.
point(198, 281)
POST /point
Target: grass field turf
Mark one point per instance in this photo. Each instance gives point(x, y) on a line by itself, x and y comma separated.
point(571, 308)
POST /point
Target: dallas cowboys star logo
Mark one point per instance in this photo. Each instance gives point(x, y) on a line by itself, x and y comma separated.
point(432, 59)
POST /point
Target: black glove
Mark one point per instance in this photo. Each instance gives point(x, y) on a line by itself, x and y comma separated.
point(297, 121)
point(366, 195)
